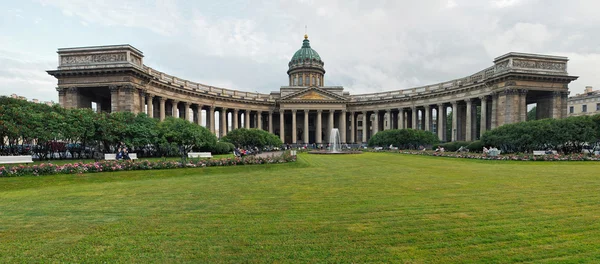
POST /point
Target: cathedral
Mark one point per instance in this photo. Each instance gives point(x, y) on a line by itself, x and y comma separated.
point(115, 78)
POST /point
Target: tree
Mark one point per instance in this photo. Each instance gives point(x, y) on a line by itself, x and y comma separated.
point(185, 135)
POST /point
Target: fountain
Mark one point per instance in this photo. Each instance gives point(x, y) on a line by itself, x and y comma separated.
point(335, 145)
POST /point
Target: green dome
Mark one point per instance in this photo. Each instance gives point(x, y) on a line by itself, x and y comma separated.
point(306, 52)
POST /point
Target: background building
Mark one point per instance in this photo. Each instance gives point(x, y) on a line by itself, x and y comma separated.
point(587, 103)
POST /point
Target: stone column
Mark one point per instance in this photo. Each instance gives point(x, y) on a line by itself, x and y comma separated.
point(212, 119)
point(195, 113)
point(294, 127)
point(494, 110)
point(270, 121)
point(454, 120)
point(247, 119)
point(259, 120)
point(223, 130)
point(401, 118)
point(319, 127)
point(388, 119)
point(62, 94)
point(329, 125)
point(365, 127)
point(483, 118)
point(523, 105)
point(186, 114)
point(469, 127)
point(414, 117)
point(175, 111)
point(352, 127)
point(375, 122)
point(114, 99)
point(441, 120)
point(305, 127)
point(150, 99)
point(161, 107)
point(142, 96)
point(427, 118)
point(564, 98)
point(343, 127)
point(281, 125)
point(235, 118)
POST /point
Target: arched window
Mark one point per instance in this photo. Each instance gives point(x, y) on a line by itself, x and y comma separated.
point(301, 81)
point(295, 80)
point(318, 81)
point(307, 80)
point(314, 81)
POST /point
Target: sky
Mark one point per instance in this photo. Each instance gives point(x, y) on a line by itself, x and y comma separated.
point(367, 46)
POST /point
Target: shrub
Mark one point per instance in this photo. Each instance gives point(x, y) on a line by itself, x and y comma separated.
point(455, 145)
point(243, 137)
point(568, 135)
point(476, 146)
point(222, 148)
point(403, 138)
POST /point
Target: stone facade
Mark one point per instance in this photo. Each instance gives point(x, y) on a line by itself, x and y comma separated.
point(587, 103)
point(116, 79)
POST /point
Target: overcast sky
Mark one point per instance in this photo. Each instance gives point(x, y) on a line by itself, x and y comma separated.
point(367, 46)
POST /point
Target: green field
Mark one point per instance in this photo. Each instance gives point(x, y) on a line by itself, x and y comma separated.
point(373, 207)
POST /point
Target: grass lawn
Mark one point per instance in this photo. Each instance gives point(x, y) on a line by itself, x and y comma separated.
point(373, 207)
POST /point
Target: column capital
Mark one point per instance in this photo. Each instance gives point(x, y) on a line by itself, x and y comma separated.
point(413, 108)
point(113, 88)
point(388, 110)
point(294, 110)
point(365, 112)
point(440, 105)
point(484, 97)
point(162, 99)
point(454, 103)
point(61, 91)
point(150, 95)
point(468, 100)
point(187, 104)
point(235, 110)
point(224, 109)
point(320, 111)
point(524, 91)
point(427, 107)
point(142, 92)
point(72, 90)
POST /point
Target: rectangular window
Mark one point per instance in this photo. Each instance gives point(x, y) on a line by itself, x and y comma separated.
point(584, 108)
point(359, 123)
point(571, 109)
point(597, 107)
point(300, 84)
point(307, 81)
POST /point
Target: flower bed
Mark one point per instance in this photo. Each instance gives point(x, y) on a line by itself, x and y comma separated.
point(520, 157)
point(107, 166)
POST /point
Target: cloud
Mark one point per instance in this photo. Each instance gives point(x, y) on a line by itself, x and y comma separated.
point(21, 74)
point(367, 46)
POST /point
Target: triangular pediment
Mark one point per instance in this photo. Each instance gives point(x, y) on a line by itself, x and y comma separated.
point(313, 94)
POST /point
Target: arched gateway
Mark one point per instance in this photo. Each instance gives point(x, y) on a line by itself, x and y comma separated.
point(116, 79)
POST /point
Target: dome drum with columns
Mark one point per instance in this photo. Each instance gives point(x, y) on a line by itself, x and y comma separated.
point(114, 78)
point(306, 67)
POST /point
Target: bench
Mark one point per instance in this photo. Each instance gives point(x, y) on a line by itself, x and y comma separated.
point(494, 152)
point(15, 159)
point(378, 148)
point(113, 156)
point(543, 152)
point(199, 155)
